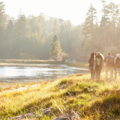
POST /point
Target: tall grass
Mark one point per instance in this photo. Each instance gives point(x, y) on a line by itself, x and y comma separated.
point(89, 99)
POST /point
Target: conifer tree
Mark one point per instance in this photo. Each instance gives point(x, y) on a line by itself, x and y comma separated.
point(56, 29)
point(55, 48)
point(9, 35)
point(114, 13)
point(104, 23)
point(89, 27)
point(2, 20)
point(2, 28)
point(22, 34)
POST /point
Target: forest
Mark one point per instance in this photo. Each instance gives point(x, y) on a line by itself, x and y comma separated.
point(45, 37)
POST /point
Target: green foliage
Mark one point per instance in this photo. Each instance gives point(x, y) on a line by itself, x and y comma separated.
point(21, 34)
point(33, 35)
point(55, 48)
point(101, 37)
point(2, 27)
point(55, 28)
point(89, 27)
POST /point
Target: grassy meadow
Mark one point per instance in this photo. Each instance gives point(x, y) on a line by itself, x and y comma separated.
point(73, 95)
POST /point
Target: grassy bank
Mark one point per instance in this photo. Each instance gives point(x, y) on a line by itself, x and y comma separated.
point(78, 64)
point(8, 62)
point(76, 94)
point(30, 61)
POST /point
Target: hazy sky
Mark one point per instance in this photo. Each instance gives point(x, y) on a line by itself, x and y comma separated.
point(74, 10)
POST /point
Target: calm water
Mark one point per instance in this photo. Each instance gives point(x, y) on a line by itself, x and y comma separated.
point(44, 71)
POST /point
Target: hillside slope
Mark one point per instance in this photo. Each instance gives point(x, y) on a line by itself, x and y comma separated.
point(75, 95)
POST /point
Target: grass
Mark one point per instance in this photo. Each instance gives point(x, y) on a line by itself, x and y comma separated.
point(89, 99)
point(28, 61)
point(78, 64)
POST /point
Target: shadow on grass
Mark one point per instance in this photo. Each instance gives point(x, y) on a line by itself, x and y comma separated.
point(106, 108)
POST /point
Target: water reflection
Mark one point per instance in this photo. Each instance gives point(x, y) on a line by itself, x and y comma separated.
point(44, 71)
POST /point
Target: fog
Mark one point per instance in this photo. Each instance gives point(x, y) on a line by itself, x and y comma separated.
point(33, 37)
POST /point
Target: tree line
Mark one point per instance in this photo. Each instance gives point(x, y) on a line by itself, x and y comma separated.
point(32, 37)
point(103, 36)
point(43, 37)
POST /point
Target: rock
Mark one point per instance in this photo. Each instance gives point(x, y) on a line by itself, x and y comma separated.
point(61, 86)
point(66, 117)
point(63, 118)
point(28, 116)
point(48, 111)
point(17, 118)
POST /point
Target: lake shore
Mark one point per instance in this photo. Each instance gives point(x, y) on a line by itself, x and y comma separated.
point(12, 79)
point(22, 62)
point(30, 61)
point(74, 96)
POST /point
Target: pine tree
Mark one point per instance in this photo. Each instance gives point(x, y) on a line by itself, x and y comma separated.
point(56, 29)
point(9, 34)
point(55, 48)
point(114, 12)
point(22, 34)
point(105, 23)
point(114, 21)
point(2, 20)
point(89, 27)
point(2, 29)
